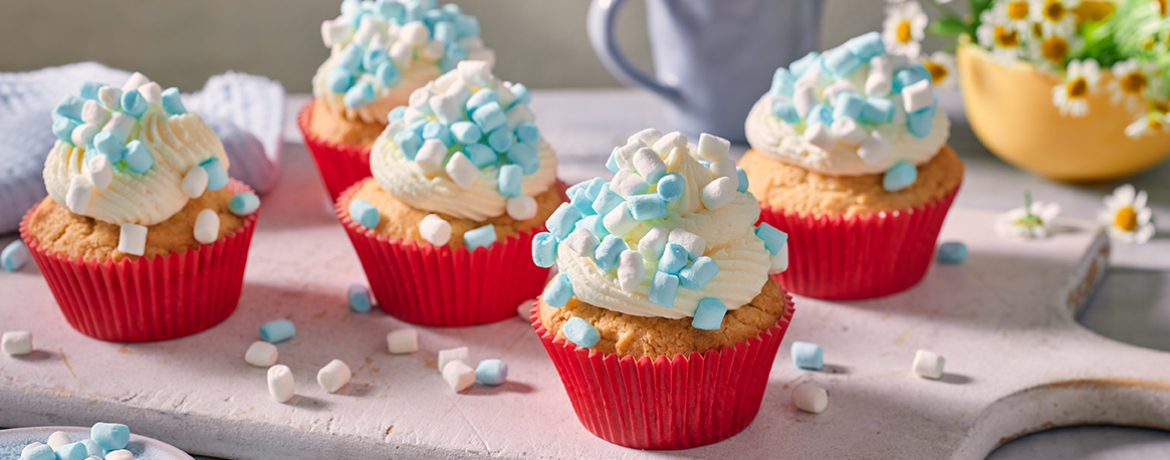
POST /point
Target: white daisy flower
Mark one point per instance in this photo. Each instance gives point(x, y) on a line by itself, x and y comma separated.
point(1160, 6)
point(1052, 50)
point(1126, 216)
point(1002, 39)
point(904, 28)
point(1149, 124)
point(942, 69)
point(1072, 96)
point(1131, 80)
point(1055, 17)
point(1034, 220)
point(1014, 13)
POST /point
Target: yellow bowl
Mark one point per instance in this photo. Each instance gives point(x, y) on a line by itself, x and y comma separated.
point(1010, 108)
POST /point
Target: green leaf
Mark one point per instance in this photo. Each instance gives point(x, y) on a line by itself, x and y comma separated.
point(949, 26)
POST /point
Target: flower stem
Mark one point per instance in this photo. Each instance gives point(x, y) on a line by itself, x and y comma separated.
point(1028, 205)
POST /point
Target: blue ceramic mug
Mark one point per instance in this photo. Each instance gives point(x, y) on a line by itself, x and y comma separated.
point(713, 58)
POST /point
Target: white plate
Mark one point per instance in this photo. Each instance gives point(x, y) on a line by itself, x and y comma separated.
point(13, 441)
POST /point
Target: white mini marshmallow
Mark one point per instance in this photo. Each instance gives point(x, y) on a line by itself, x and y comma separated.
point(840, 86)
point(669, 142)
point(779, 261)
point(458, 375)
point(918, 96)
point(726, 168)
point(402, 341)
point(152, 92)
point(899, 110)
point(446, 108)
point(120, 454)
point(880, 79)
point(460, 92)
point(110, 97)
point(120, 126)
point(519, 114)
point(521, 207)
point(83, 134)
point(820, 136)
point(435, 230)
point(625, 155)
point(414, 33)
point(812, 78)
point(461, 354)
point(335, 31)
point(136, 80)
point(928, 364)
point(582, 242)
point(718, 193)
point(195, 182)
point(449, 79)
point(367, 29)
point(132, 239)
point(694, 244)
point(874, 149)
point(420, 99)
point(653, 244)
point(462, 171)
point(881, 64)
point(804, 99)
point(58, 439)
point(99, 171)
point(619, 221)
point(848, 131)
point(713, 148)
point(207, 226)
point(627, 184)
point(503, 91)
point(524, 310)
point(430, 156)
point(333, 376)
point(401, 53)
point(16, 343)
point(810, 398)
point(433, 50)
point(646, 137)
point(650, 164)
point(630, 270)
point(93, 113)
point(413, 114)
point(31, 446)
point(261, 354)
point(475, 73)
point(280, 383)
point(79, 194)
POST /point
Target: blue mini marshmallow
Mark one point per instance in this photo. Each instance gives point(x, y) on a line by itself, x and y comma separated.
point(595, 224)
point(444, 31)
point(670, 187)
point(510, 179)
point(523, 155)
point(272, 332)
point(709, 314)
point(785, 110)
point(217, 177)
point(606, 201)
point(595, 187)
point(72, 451)
point(133, 103)
point(489, 117)
point(663, 289)
point(359, 298)
point(243, 204)
point(482, 237)
point(93, 448)
point(743, 180)
point(409, 142)
point(909, 76)
point(452, 10)
point(70, 107)
point(466, 132)
point(783, 83)
point(359, 95)
point(481, 98)
point(607, 253)
point(800, 66)
point(563, 220)
point(528, 133)
point(848, 105)
point(877, 110)
point(774, 239)
point(579, 198)
point(808, 356)
point(468, 26)
point(351, 57)
point(108, 145)
point(841, 62)
point(172, 102)
point(417, 125)
point(558, 292)
point(867, 46)
point(523, 96)
point(698, 273)
point(455, 52)
point(899, 176)
point(820, 113)
point(610, 164)
point(41, 452)
point(490, 372)
point(501, 139)
point(544, 249)
point(674, 258)
point(138, 157)
point(414, 12)
point(480, 155)
point(373, 58)
point(14, 256)
point(390, 9)
point(89, 89)
point(920, 123)
point(581, 333)
point(952, 252)
point(113, 436)
point(364, 213)
point(437, 131)
point(646, 207)
point(63, 128)
point(387, 74)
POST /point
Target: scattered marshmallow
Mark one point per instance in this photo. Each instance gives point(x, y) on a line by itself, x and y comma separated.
point(669, 142)
point(99, 171)
point(810, 398)
point(359, 298)
point(79, 194)
point(14, 256)
point(928, 364)
point(454, 354)
point(435, 230)
point(132, 239)
point(918, 96)
point(120, 454)
point(820, 136)
point(653, 243)
point(277, 331)
point(402, 341)
point(207, 226)
point(713, 148)
point(491, 372)
point(458, 375)
point(952, 252)
point(58, 439)
point(718, 193)
point(333, 376)
point(808, 356)
point(581, 333)
point(280, 383)
point(16, 343)
point(261, 354)
point(25, 453)
point(195, 182)
point(874, 149)
point(899, 176)
point(848, 131)
point(630, 270)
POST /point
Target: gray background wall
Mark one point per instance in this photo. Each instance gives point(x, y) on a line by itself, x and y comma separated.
point(182, 42)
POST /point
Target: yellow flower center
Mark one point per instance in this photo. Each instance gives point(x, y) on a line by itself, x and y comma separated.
point(1154, 123)
point(1126, 219)
point(1134, 82)
point(1037, 30)
point(1055, 49)
point(902, 33)
point(1162, 106)
point(1017, 10)
point(1054, 10)
point(1006, 38)
point(1077, 88)
point(938, 73)
point(1163, 5)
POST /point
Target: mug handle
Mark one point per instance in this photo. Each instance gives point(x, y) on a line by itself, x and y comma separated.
point(600, 25)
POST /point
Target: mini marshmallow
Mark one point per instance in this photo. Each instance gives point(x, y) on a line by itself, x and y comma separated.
point(928, 364)
point(70, 107)
point(952, 252)
point(461, 354)
point(137, 158)
point(489, 117)
point(562, 221)
point(491, 372)
point(83, 134)
point(63, 128)
point(649, 164)
point(877, 110)
point(120, 454)
point(848, 131)
point(79, 194)
point(339, 80)
point(709, 314)
point(414, 33)
point(647, 207)
point(524, 156)
point(917, 96)
point(653, 243)
point(172, 102)
point(528, 133)
point(808, 356)
point(837, 88)
point(521, 207)
point(558, 292)
point(714, 148)
point(402, 341)
point(630, 270)
point(437, 131)
point(217, 177)
point(446, 108)
point(878, 84)
point(671, 186)
point(111, 436)
point(544, 249)
point(606, 200)
point(38, 451)
point(16, 343)
point(820, 114)
point(899, 176)
point(773, 238)
point(482, 237)
point(848, 104)
point(71, 451)
point(133, 103)
point(726, 168)
point(410, 142)
point(94, 449)
point(523, 96)
point(741, 175)
point(420, 99)
point(785, 110)
point(461, 170)
point(207, 226)
point(460, 91)
point(580, 199)
point(99, 171)
point(718, 193)
point(800, 66)
point(401, 52)
point(518, 115)
point(277, 331)
point(819, 136)
point(582, 242)
point(841, 62)
point(669, 142)
point(581, 333)
point(152, 93)
point(132, 239)
point(920, 123)
point(874, 149)
point(244, 203)
point(261, 354)
point(607, 254)
point(95, 114)
point(804, 99)
point(14, 256)
point(458, 375)
point(867, 46)
point(810, 398)
point(280, 383)
point(627, 184)
point(619, 221)
point(783, 83)
point(195, 182)
point(694, 244)
point(135, 80)
point(58, 439)
point(105, 144)
point(646, 137)
point(779, 261)
point(476, 73)
point(334, 376)
point(481, 98)
point(359, 298)
point(430, 156)
point(89, 89)
point(909, 76)
point(482, 155)
point(335, 32)
point(698, 273)
point(663, 289)
point(674, 258)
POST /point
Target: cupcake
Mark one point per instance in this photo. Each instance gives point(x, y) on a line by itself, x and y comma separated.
point(663, 321)
point(462, 180)
point(143, 236)
point(381, 52)
point(849, 156)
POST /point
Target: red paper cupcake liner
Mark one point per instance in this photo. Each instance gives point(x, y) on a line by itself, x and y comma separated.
point(441, 286)
point(341, 165)
point(145, 300)
point(858, 257)
point(676, 403)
